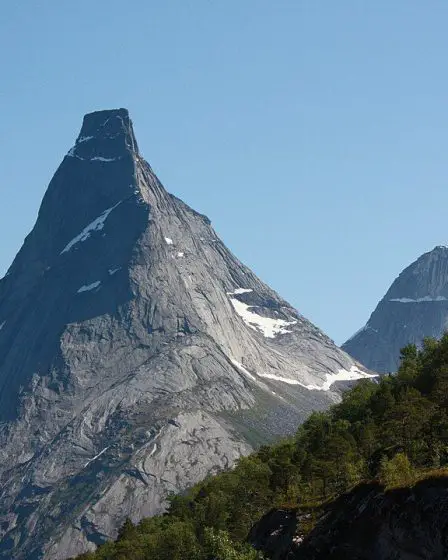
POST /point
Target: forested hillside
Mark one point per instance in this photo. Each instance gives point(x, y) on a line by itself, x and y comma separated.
point(394, 430)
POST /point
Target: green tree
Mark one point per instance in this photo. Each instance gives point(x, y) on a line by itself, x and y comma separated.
point(219, 546)
point(409, 364)
point(252, 495)
point(396, 471)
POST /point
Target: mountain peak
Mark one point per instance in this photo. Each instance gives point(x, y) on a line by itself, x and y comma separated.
point(137, 353)
point(104, 135)
point(106, 122)
point(414, 307)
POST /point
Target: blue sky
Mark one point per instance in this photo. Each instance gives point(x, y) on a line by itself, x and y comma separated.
point(313, 133)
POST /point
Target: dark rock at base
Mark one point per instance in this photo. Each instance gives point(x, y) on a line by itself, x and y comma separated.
point(275, 534)
point(369, 523)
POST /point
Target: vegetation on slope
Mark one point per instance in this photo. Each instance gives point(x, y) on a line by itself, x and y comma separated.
point(394, 430)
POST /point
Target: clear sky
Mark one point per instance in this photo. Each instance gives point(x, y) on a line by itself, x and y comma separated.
point(313, 133)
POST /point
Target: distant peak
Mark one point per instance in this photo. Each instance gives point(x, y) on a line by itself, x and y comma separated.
point(103, 132)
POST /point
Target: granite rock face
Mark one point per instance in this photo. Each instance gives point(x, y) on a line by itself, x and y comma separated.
point(137, 354)
point(414, 307)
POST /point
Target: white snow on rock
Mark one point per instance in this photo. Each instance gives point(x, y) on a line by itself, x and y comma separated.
point(168, 241)
point(353, 374)
point(96, 225)
point(112, 271)
point(242, 369)
point(72, 153)
point(286, 380)
point(240, 291)
point(269, 327)
point(99, 158)
point(96, 457)
point(84, 139)
point(419, 300)
point(153, 450)
point(343, 375)
point(180, 255)
point(89, 287)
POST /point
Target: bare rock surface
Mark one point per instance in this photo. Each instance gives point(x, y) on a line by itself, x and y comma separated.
point(414, 307)
point(137, 354)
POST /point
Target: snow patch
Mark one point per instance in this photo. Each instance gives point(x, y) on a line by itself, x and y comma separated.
point(239, 291)
point(96, 457)
point(84, 139)
point(286, 380)
point(153, 450)
point(112, 271)
point(96, 225)
point(343, 375)
point(168, 241)
point(353, 374)
point(419, 300)
point(180, 255)
point(89, 287)
point(99, 158)
point(269, 327)
point(242, 369)
point(72, 152)
point(2, 325)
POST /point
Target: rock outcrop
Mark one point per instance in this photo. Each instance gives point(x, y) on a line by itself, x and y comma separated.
point(276, 534)
point(367, 523)
point(370, 524)
point(137, 354)
point(414, 307)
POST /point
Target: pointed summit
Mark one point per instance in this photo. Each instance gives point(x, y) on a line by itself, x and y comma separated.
point(104, 135)
point(414, 307)
point(137, 354)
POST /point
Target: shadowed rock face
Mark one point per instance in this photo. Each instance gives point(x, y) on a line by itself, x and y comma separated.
point(415, 306)
point(367, 523)
point(137, 354)
point(370, 524)
point(275, 534)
